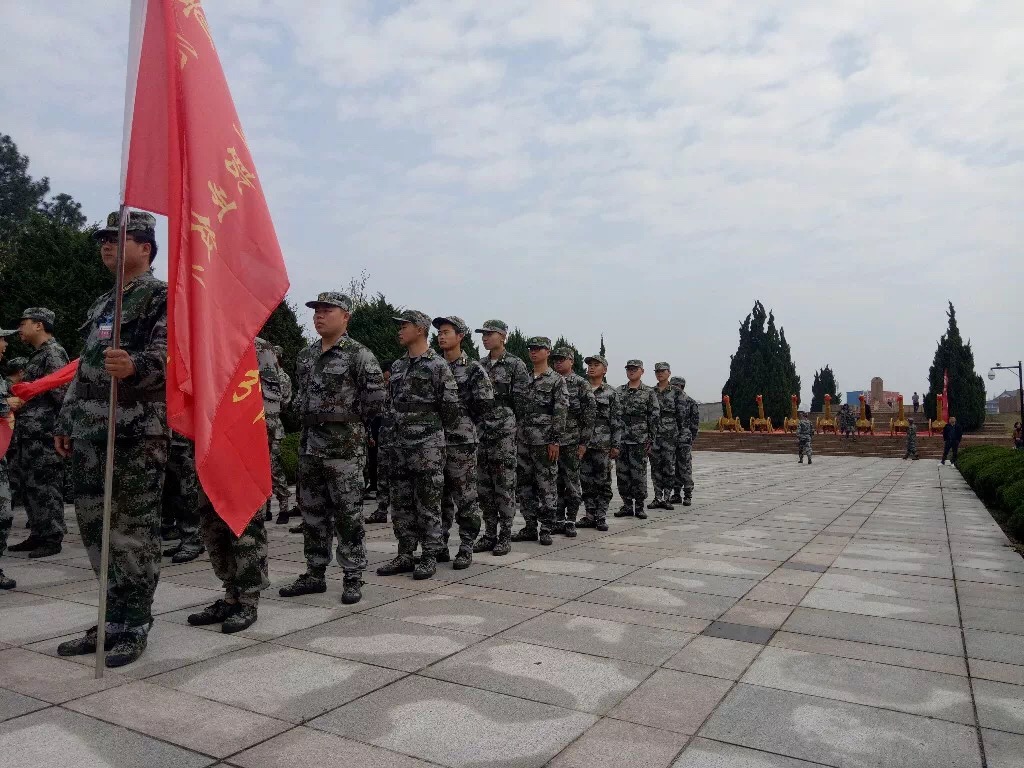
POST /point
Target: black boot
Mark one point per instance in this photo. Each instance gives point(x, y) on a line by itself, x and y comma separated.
point(527, 533)
point(242, 617)
point(283, 514)
point(545, 537)
point(676, 497)
point(6, 582)
point(353, 589)
point(380, 516)
point(463, 559)
point(128, 647)
point(586, 522)
point(212, 614)
point(306, 584)
point(626, 510)
point(569, 531)
point(504, 543)
point(426, 567)
point(688, 500)
point(402, 563)
point(27, 545)
point(485, 543)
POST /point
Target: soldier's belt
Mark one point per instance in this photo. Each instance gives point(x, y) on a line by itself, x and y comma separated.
point(315, 419)
point(547, 409)
point(414, 407)
point(125, 395)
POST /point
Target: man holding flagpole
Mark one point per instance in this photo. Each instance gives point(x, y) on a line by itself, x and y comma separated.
point(142, 437)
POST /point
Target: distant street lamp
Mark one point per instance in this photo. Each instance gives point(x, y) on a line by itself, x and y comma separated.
point(1019, 370)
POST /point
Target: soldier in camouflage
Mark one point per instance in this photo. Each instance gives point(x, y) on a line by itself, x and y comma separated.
point(6, 514)
point(181, 501)
point(579, 431)
point(671, 422)
point(277, 393)
point(638, 405)
point(497, 458)
point(15, 374)
point(40, 468)
point(804, 433)
point(476, 408)
point(424, 411)
point(911, 441)
point(683, 486)
point(541, 434)
point(383, 439)
point(140, 451)
point(340, 388)
point(603, 448)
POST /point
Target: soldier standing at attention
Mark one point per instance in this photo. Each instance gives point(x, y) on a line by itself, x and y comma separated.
point(340, 389)
point(280, 480)
point(497, 458)
point(140, 450)
point(579, 430)
point(638, 405)
point(670, 423)
point(276, 395)
point(6, 514)
point(476, 407)
point(180, 501)
point(596, 468)
point(425, 410)
point(541, 433)
point(383, 441)
point(804, 433)
point(684, 445)
point(911, 441)
point(41, 469)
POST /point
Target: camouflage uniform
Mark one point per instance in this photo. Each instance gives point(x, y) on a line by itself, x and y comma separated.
point(180, 500)
point(140, 450)
point(240, 562)
point(6, 514)
point(497, 458)
point(911, 441)
point(639, 409)
point(40, 467)
point(596, 469)
point(671, 419)
point(339, 391)
point(277, 391)
point(476, 406)
point(384, 462)
point(545, 409)
point(425, 408)
point(579, 430)
point(684, 446)
point(804, 433)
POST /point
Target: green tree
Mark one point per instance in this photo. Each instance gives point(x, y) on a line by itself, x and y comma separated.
point(282, 329)
point(602, 352)
point(515, 344)
point(763, 366)
point(824, 384)
point(966, 387)
point(577, 365)
point(20, 196)
point(373, 325)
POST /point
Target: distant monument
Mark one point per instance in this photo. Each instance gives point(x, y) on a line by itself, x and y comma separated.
point(877, 392)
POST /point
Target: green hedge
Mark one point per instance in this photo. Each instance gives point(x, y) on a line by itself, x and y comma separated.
point(996, 474)
point(290, 455)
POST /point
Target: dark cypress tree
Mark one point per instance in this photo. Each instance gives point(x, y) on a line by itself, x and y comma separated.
point(515, 344)
point(577, 366)
point(602, 352)
point(372, 325)
point(824, 384)
point(762, 365)
point(966, 387)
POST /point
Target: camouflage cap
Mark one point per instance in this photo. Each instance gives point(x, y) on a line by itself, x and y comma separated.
point(662, 367)
point(138, 221)
point(540, 342)
point(279, 350)
point(567, 352)
point(42, 314)
point(417, 318)
point(596, 359)
point(331, 299)
point(499, 326)
point(5, 332)
point(16, 364)
point(634, 363)
point(679, 381)
point(453, 320)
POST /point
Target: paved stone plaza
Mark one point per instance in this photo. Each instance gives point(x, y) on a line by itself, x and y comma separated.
point(860, 612)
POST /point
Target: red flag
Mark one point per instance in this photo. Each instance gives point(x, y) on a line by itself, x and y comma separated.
point(945, 396)
point(185, 155)
point(26, 390)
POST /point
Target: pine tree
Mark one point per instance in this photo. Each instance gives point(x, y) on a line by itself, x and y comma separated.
point(824, 384)
point(602, 352)
point(762, 365)
point(515, 344)
point(577, 365)
point(966, 387)
point(373, 325)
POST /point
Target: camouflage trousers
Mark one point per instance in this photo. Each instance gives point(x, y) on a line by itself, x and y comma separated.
point(596, 480)
point(278, 478)
point(240, 563)
point(911, 448)
point(663, 467)
point(41, 472)
point(331, 501)
point(417, 486)
point(684, 468)
point(570, 489)
point(631, 472)
point(139, 470)
point(536, 486)
point(383, 478)
point(496, 476)
point(181, 493)
point(6, 514)
point(805, 449)
point(459, 502)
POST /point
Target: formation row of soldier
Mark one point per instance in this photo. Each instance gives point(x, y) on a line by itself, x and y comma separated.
point(461, 443)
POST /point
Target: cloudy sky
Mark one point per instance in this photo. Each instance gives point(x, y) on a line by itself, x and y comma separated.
point(642, 170)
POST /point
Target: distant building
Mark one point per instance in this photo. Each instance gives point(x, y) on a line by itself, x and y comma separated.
point(853, 398)
point(1007, 402)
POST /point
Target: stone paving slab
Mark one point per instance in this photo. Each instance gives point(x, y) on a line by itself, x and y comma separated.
point(793, 617)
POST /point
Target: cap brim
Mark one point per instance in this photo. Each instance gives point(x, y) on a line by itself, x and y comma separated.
point(106, 230)
point(592, 360)
point(5, 332)
point(315, 304)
